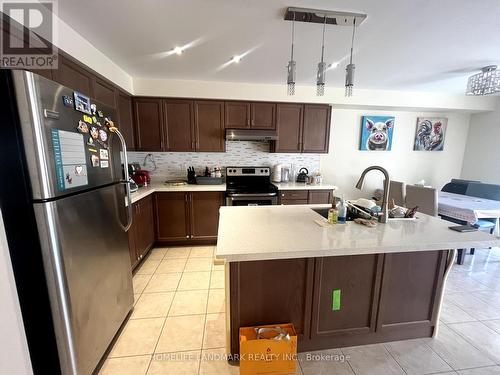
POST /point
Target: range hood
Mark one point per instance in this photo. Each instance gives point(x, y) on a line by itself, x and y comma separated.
point(250, 135)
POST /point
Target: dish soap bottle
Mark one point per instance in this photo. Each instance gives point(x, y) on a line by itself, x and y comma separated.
point(342, 211)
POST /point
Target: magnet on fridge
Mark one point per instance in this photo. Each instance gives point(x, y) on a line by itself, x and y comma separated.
point(103, 154)
point(94, 159)
point(100, 114)
point(93, 132)
point(87, 119)
point(68, 101)
point(93, 108)
point(104, 145)
point(82, 127)
point(92, 149)
point(82, 102)
point(103, 136)
point(98, 123)
point(104, 164)
point(90, 141)
point(94, 119)
point(78, 170)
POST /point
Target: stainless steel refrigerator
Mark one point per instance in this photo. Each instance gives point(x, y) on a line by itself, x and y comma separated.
point(78, 192)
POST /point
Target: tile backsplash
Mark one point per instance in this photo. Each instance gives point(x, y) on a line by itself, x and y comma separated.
point(174, 164)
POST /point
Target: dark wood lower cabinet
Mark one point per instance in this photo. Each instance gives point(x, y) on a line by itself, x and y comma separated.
point(319, 196)
point(288, 197)
point(339, 301)
point(188, 217)
point(141, 234)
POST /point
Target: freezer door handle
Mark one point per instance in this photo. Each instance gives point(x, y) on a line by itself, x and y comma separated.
point(127, 177)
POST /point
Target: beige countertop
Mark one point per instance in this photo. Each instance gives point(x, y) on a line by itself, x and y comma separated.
point(283, 232)
point(160, 186)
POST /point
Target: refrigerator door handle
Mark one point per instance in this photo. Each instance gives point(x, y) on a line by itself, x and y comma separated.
point(115, 130)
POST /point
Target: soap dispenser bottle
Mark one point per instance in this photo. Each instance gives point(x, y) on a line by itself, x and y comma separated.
point(342, 209)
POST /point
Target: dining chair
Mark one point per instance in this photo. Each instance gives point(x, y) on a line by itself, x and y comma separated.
point(397, 192)
point(425, 198)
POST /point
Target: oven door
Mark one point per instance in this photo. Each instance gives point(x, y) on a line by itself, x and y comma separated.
point(262, 199)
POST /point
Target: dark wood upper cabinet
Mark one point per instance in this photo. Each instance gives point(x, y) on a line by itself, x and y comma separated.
point(289, 119)
point(316, 128)
point(148, 114)
point(209, 126)
point(125, 119)
point(237, 115)
point(263, 116)
point(72, 75)
point(204, 211)
point(179, 120)
point(104, 92)
point(172, 216)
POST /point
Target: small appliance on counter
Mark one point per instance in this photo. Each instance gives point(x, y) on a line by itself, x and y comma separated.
point(303, 175)
point(133, 185)
point(285, 174)
point(141, 178)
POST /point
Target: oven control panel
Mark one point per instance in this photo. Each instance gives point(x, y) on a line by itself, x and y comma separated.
point(248, 171)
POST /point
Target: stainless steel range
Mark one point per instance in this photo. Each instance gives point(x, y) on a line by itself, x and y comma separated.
point(250, 186)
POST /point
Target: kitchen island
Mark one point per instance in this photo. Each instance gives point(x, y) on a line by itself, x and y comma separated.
point(340, 285)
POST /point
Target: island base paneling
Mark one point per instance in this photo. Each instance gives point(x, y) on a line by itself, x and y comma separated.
point(339, 301)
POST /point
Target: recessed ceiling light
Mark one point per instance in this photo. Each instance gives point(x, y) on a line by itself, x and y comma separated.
point(177, 50)
point(333, 65)
point(236, 58)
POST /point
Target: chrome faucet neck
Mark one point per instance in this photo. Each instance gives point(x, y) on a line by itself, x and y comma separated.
point(385, 200)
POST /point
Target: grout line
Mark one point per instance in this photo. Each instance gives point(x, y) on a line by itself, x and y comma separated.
point(205, 323)
point(393, 357)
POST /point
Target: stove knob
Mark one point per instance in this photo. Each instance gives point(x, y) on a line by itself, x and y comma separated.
point(261, 171)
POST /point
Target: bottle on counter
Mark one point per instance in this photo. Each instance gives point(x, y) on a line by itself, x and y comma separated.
point(342, 211)
point(333, 215)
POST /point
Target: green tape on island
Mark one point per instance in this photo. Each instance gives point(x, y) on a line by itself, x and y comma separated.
point(336, 300)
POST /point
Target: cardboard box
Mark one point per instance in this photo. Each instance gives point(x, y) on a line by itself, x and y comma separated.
point(267, 355)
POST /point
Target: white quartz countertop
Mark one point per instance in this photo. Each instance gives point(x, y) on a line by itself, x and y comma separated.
point(159, 187)
point(284, 232)
point(303, 186)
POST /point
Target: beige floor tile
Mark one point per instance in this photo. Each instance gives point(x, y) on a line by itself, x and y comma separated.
point(202, 252)
point(157, 253)
point(138, 337)
point(215, 331)
point(194, 280)
point(474, 306)
point(163, 282)
point(214, 362)
point(217, 280)
point(457, 352)
point(181, 333)
point(372, 360)
point(198, 264)
point(152, 305)
point(416, 358)
point(178, 252)
point(493, 370)
point(189, 303)
point(325, 362)
point(481, 336)
point(493, 324)
point(148, 267)
point(171, 266)
point(139, 282)
point(126, 366)
point(489, 296)
point(451, 313)
point(182, 363)
point(216, 301)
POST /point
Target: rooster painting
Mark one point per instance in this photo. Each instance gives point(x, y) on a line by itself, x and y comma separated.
point(430, 134)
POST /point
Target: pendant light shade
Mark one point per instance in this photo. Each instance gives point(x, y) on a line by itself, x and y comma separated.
point(487, 82)
point(321, 74)
point(291, 68)
point(349, 70)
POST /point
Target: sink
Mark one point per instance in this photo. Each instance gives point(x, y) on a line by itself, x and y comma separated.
point(324, 212)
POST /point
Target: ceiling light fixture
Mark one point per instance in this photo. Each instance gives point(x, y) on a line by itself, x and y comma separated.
point(236, 59)
point(178, 50)
point(349, 70)
point(321, 74)
point(487, 82)
point(291, 68)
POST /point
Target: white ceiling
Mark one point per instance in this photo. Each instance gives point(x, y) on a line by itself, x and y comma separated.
point(428, 45)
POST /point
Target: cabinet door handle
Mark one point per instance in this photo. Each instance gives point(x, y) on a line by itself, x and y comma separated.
point(253, 122)
point(187, 236)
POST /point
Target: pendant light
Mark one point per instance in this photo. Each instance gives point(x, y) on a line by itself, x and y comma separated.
point(349, 70)
point(291, 65)
point(321, 75)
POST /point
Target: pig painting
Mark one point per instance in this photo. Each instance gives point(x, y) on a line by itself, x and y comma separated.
point(376, 133)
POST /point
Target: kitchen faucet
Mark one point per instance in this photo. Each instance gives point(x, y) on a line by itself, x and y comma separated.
point(385, 201)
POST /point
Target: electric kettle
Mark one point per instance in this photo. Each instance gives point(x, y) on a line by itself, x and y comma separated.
point(303, 176)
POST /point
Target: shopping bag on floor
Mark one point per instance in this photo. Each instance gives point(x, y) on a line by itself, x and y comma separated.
point(269, 350)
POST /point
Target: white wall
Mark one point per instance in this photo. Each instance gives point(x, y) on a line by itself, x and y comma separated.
point(14, 355)
point(482, 154)
point(344, 163)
